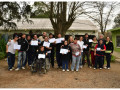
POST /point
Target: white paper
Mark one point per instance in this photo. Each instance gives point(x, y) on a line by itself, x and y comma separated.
point(16, 46)
point(58, 40)
point(34, 43)
point(46, 44)
point(98, 49)
point(41, 56)
point(62, 39)
point(84, 46)
point(64, 51)
point(77, 53)
point(52, 40)
point(48, 51)
point(90, 40)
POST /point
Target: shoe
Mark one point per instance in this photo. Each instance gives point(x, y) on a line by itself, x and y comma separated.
point(100, 68)
point(105, 67)
point(63, 70)
point(72, 70)
point(94, 68)
point(108, 68)
point(67, 70)
point(29, 65)
point(10, 69)
point(80, 66)
point(23, 67)
point(90, 67)
point(76, 70)
point(13, 68)
point(17, 69)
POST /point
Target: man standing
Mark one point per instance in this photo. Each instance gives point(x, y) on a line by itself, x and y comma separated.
point(11, 52)
point(86, 50)
point(41, 38)
point(22, 52)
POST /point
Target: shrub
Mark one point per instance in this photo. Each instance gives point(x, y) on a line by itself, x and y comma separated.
point(2, 55)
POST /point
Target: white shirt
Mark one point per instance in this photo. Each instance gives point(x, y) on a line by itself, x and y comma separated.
point(11, 46)
point(81, 44)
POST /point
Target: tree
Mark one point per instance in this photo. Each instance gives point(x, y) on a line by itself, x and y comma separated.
point(101, 13)
point(117, 21)
point(10, 11)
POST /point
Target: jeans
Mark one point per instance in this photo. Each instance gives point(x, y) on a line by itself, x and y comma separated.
point(64, 63)
point(108, 58)
point(52, 57)
point(86, 53)
point(99, 60)
point(58, 57)
point(75, 60)
point(48, 61)
point(28, 58)
point(11, 60)
point(81, 58)
point(21, 56)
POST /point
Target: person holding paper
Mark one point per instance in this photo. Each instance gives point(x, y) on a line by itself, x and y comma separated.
point(58, 55)
point(94, 43)
point(22, 52)
point(11, 52)
point(48, 50)
point(65, 57)
point(80, 42)
point(76, 52)
point(99, 53)
point(41, 38)
point(52, 50)
point(86, 50)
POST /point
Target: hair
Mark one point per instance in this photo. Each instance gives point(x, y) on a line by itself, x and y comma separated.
point(41, 47)
point(50, 34)
point(86, 34)
point(75, 38)
point(69, 39)
point(101, 35)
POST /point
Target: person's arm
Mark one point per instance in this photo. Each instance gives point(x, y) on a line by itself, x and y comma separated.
point(95, 49)
point(112, 47)
point(9, 42)
point(103, 49)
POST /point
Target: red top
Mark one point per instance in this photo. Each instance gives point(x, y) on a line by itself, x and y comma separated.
point(96, 48)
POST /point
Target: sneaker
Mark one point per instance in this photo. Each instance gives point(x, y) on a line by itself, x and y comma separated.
point(67, 70)
point(105, 67)
point(90, 67)
point(10, 69)
point(108, 68)
point(63, 70)
point(29, 65)
point(76, 70)
point(100, 68)
point(13, 68)
point(94, 68)
point(17, 69)
point(80, 66)
point(23, 67)
point(72, 70)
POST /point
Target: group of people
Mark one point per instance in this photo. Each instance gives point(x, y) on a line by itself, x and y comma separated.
point(78, 51)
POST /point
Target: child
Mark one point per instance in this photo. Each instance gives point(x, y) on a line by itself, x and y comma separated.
point(65, 57)
point(99, 52)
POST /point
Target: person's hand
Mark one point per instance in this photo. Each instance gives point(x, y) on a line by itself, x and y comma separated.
point(9, 40)
point(6, 51)
point(68, 50)
point(80, 53)
point(95, 54)
point(86, 45)
point(62, 53)
point(46, 54)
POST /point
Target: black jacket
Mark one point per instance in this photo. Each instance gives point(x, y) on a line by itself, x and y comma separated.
point(109, 46)
point(86, 41)
point(46, 49)
point(24, 44)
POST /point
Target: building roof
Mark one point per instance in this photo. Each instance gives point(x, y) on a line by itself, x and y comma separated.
point(45, 24)
point(115, 29)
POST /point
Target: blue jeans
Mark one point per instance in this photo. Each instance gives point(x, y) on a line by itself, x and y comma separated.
point(64, 63)
point(75, 60)
point(21, 56)
point(81, 59)
point(11, 60)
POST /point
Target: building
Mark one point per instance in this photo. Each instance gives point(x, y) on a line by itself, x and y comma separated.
point(116, 38)
point(79, 27)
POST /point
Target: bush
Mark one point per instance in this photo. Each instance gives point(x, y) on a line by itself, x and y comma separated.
point(2, 55)
point(112, 58)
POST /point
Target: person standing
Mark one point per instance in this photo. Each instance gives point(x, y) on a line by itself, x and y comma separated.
point(11, 52)
point(108, 52)
point(94, 43)
point(41, 38)
point(99, 53)
point(76, 52)
point(22, 52)
point(81, 43)
point(86, 50)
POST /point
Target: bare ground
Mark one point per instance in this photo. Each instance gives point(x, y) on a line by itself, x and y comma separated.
point(55, 78)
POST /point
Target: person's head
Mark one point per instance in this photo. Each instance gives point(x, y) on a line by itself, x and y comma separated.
point(101, 41)
point(101, 36)
point(71, 39)
point(65, 42)
point(94, 38)
point(86, 35)
point(50, 35)
point(28, 37)
point(81, 38)
point(35, 37)
point(44, 34)
point(41, 48)
point(16, 38)
point(59, 35)
point(46, 38)
point(23, 36)
point(108, 39)
point(75, 40)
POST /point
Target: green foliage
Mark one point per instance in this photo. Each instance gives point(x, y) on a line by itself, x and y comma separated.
point(117, 21)
point(2, 55)
point(112, 58)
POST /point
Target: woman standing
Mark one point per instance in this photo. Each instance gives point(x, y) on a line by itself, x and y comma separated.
point(76, 52)
point(94, 43)
point(108, 52)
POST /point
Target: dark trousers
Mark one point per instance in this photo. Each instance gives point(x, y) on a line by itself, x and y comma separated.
point(28, 58)
point(92, 58)
point(11, 60)
point(65, 64)
point(86, 53)
point(58, 57)
point(99, 60)
point(108, 58)
point(52, 58)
